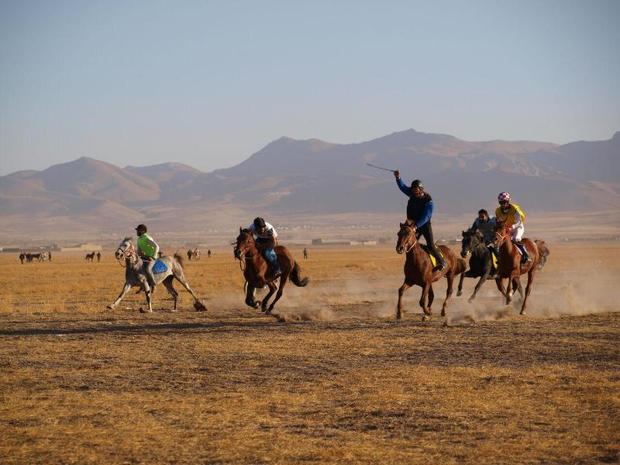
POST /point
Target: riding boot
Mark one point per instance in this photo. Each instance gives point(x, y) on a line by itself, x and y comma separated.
point(441, 263)
point(524, 255)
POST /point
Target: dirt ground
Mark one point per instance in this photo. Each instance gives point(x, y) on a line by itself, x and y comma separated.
point(339, 382)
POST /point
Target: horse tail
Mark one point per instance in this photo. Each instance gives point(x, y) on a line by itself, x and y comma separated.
point(296, 276)
point(179, 258)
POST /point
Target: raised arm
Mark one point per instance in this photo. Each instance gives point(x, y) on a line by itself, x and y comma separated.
point(404, 188)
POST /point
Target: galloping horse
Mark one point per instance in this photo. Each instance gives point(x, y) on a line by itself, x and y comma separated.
point(419, 270)
point(480, 262)
point(256, 268)
point(136, 276)
point(509, 264)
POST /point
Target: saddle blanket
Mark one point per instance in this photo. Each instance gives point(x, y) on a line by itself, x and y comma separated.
point(159, 267)
point(431, 256)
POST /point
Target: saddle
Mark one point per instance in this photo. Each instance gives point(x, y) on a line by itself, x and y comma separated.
point(427, 250)
point(159, 267)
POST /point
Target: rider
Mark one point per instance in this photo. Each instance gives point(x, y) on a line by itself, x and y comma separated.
point(485, 225)
point(265, 236)
point(419, 213)
point(148, 251)
point(512, 215)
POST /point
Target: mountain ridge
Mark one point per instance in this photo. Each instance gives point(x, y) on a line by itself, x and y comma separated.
point(314, 177)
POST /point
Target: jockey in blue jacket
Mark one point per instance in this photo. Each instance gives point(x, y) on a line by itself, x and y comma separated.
point(419, 213)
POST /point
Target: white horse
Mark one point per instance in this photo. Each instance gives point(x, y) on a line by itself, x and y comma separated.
point(135, 275)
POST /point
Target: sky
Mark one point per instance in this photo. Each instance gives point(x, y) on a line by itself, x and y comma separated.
point(208, 83)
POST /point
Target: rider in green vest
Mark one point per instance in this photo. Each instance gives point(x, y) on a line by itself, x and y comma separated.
point(148, 251)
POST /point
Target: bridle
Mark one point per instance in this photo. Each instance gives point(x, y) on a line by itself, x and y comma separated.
point(242, 256)
point(415, 239)
point(500, 235)
point(127, 252)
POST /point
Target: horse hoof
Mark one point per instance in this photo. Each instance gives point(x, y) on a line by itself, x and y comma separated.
point(426, 317)
point(443, 313)
point(459, 293)
point(199, 307)
point(142, 310)
point(111, 307)
point(522, 312)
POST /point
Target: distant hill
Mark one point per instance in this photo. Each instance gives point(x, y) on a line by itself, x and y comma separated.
point(312, 177)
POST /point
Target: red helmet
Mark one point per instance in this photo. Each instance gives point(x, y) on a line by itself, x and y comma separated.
point(503, 197)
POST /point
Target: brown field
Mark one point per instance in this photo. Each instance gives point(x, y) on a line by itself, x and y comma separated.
point(339, 382)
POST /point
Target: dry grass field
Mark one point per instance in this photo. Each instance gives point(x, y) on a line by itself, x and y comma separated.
point(338, 382)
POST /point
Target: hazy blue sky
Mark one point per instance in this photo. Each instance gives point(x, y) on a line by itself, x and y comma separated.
point(209, 83)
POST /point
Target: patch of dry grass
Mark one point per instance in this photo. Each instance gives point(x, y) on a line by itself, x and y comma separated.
point(81, 384)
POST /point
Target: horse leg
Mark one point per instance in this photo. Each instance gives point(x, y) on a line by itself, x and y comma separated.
point(431, 297)
point(399, 307)
point(450, 279)
point(528, 289)
point(249, 297)
point(149, 294)
point(272, 288)
point(198, 305)
point(423, 299)
point(125, 290)
point(500, 285)
point(460, 288)
point(283, 280)
point(479, 284)
point(171, 290)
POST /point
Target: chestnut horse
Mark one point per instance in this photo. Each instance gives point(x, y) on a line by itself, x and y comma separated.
point(419, 270)
point(255, 268)
point(509, 264)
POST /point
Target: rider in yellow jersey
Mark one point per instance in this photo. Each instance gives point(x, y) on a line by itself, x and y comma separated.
point(512, 215)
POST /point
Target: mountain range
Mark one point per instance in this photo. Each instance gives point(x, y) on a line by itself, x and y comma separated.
point(311, 178)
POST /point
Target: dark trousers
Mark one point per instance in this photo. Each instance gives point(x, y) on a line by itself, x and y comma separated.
point(427, 232)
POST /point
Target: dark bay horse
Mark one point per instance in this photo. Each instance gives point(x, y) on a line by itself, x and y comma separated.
point(509, 264)
point(255, 268)
point(419, 270)
point(480, 261)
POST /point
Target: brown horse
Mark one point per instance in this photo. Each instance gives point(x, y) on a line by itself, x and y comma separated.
point(419, 270)
point(509, 264)
point(255, 269)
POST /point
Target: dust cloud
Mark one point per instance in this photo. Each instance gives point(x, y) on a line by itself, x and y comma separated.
point(554, 293)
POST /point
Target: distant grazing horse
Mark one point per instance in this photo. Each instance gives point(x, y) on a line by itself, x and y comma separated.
point(89, 257)
point(255, 268)
point(135, 275)
point(509, 264)
point(34, 256)
point(480, 262)
point(419, 270)
point(193, 254)
point(543, 252)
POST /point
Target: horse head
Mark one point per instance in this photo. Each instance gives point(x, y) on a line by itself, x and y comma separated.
point(471, 240)
point(406, 237)
point(244, 244)
point(501, 233)
point(125, 249)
